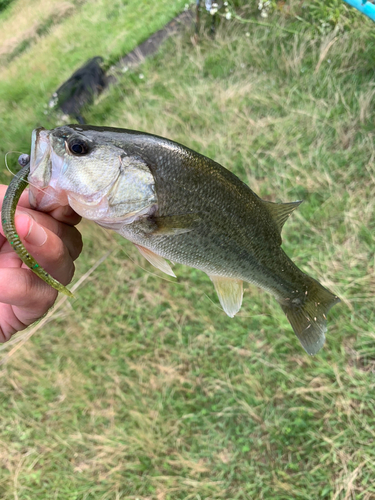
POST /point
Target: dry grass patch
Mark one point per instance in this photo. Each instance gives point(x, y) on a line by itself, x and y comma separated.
point(28, 21)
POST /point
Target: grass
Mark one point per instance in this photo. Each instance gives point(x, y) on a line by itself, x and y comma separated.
point(27, 20)
point(141, 387)
point(41, 52)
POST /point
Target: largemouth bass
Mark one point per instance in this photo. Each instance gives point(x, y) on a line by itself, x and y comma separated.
point(176, 204)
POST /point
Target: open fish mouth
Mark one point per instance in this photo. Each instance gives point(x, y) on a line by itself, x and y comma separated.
point(47, 190)
point(43, 193)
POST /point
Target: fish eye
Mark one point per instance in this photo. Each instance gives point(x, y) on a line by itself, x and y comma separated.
point(78, 147)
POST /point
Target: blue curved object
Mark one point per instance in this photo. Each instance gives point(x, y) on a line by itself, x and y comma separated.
point(367, 8)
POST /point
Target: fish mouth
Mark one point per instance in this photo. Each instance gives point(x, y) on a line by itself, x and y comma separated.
point(46, 179)
point(40, 163)
point(42, 194)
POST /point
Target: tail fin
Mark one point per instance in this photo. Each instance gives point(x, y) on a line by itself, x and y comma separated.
point(308, 316)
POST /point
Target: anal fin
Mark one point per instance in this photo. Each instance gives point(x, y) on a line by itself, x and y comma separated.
point(156, 260)
point(230, 292)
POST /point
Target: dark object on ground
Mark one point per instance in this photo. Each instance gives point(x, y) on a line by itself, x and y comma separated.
point(152, 44)
point(80, 89)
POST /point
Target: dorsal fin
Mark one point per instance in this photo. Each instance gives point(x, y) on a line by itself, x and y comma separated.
point(229, 291)
point(281, 211)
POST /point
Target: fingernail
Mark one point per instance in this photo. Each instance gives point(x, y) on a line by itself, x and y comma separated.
point(36, 235)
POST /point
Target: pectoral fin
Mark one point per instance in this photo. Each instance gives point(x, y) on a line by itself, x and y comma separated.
point(156, 260)
point(230, 292)
point(171, 225)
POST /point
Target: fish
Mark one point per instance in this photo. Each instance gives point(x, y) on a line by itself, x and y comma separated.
point(178, 205)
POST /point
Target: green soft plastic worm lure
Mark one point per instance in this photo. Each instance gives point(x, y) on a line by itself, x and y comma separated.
point(16, 187)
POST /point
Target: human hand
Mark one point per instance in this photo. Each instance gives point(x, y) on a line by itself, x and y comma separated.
point(55, 243)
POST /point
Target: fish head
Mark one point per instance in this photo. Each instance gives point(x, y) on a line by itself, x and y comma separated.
point(86, 169)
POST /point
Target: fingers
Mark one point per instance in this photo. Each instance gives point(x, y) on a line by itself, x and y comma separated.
point(53, 252)
point(55, 243)
point(39, 222)
point(34, 225)
point(2, 240)
point(24, 298)
point(62, 214)
point(24, 200)
point(22, 288)
point(60, 221)
point(66, 214)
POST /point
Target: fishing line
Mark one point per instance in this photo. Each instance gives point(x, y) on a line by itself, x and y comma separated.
point(6, 161)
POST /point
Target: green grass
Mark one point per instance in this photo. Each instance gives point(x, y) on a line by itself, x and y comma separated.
point(142, 387)
point(51, 48)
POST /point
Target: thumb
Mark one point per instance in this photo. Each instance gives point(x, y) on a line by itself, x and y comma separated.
point(29, 230)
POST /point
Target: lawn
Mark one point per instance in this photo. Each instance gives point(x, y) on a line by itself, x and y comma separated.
point(141, 387)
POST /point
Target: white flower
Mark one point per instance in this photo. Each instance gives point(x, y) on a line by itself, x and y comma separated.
point(53, 102)
point(263, 14)
point(213, 11)
point(247, 33)
point(228, 15)
point(141, 76)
